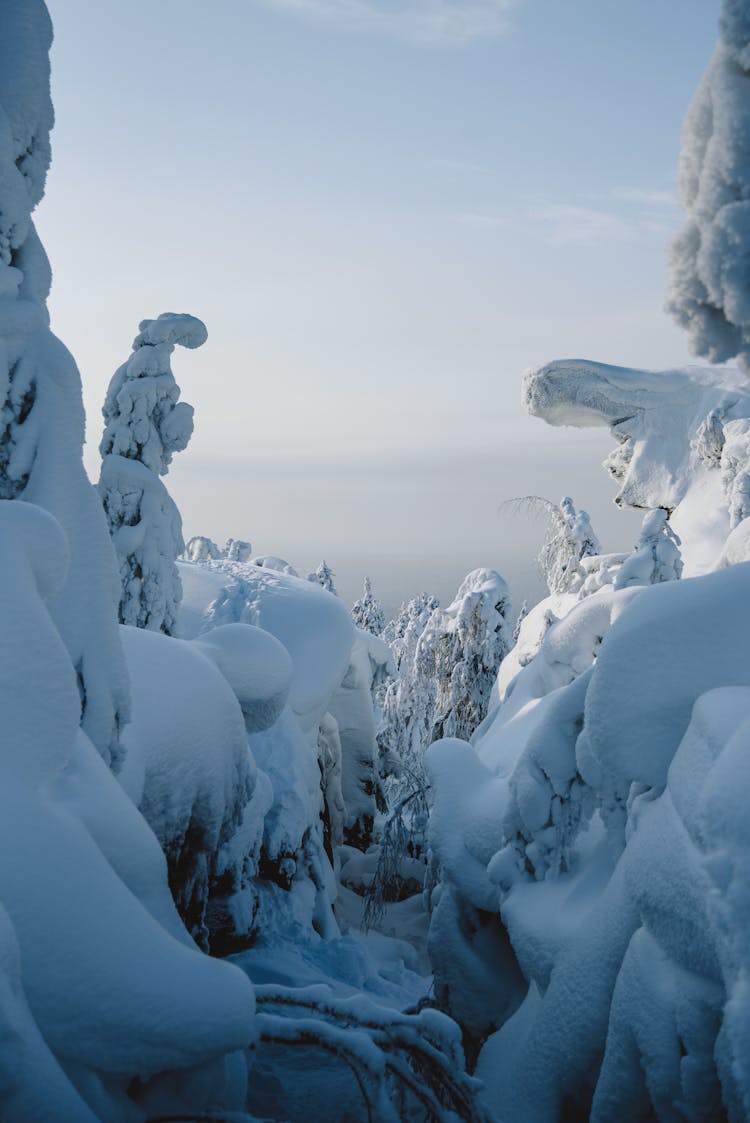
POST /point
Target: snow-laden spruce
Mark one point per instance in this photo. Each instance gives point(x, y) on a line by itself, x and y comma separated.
point(710, 294)
point(145, 424)
point(367, 611)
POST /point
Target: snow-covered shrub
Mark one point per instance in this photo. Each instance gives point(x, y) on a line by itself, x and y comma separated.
point(199, 548)
point(656, 557)
point(237, 549)
point(710, 296)
point(145, 424)
point(367, 612)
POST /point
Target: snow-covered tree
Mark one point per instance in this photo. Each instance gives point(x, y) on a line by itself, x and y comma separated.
point(324, 576)
point(477, 640)
point(407, 700)
point(237, 549)
point(41, 407)
point(710, 294)
point(571, 538)
point(199, 548)
point(656, 557)
point(145, 424)
point(367, 612)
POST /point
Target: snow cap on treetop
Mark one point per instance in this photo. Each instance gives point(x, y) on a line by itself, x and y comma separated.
point(173, 328)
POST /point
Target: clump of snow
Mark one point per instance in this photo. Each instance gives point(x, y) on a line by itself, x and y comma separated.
point(270, 561)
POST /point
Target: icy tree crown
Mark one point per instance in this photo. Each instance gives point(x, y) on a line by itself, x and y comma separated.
point(143, 415)
point(710, 294)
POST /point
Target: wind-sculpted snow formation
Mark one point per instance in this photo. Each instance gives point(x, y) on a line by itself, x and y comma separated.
point(589, 924)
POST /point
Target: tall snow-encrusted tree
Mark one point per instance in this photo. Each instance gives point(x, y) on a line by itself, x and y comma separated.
point(41, 407)
point(710, 257)
point(145, 425)
point(367, 612)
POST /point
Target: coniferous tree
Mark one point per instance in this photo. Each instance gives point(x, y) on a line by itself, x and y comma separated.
point(367, 612)
point(145, 425)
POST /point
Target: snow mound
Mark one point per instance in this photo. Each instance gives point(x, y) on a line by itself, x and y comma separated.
point(257, 667)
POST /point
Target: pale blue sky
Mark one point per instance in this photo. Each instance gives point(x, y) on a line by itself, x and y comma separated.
point(384, 210)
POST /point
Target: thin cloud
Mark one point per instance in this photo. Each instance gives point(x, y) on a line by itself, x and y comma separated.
point(565, 224)
point(622, 215)
point(422, 21)
point(644, 196)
